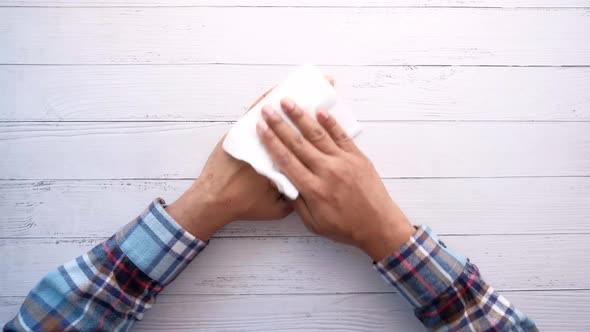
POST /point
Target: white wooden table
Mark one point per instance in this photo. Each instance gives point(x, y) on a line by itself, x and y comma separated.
point(476, 114)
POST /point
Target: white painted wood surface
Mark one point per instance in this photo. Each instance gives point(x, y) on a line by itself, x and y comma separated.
point(398, 149)
point(342, 312)
point(476, 113)
point(303, 265)
point(271, 35)
point(472, 206)
point(224, 92)
point(304, 3)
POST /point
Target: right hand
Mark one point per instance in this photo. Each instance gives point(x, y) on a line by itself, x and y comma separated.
point(342, 196)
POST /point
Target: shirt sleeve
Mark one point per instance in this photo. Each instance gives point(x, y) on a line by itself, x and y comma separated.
point(446, 289)
point(111, 286)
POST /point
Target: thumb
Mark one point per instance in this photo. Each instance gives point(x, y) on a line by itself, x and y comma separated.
point(303, 212)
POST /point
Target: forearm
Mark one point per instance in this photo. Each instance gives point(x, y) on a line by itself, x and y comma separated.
point(446, 290)
point(111, 286)
point(344, 198)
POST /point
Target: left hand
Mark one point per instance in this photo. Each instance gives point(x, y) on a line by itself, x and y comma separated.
point(227, 190)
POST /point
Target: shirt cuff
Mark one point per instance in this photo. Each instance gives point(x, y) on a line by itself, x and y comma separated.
point(423, 268)
point(157, 245)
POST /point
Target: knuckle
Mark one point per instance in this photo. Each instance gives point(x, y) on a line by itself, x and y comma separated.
point(330, 123)
point(338, 175)
point(267, 137)
point(316, 134)
point(336, 167)
point(314, 190)
point(284, 158)
point(298, 141)
point(295, 144)
point(320, 192)
point(342, 137)
point(331, 171)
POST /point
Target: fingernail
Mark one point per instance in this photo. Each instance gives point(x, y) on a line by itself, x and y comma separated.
point(323, 115)
point(288, 104)
point(261, 127)
point(267, 111)
point(331, 80)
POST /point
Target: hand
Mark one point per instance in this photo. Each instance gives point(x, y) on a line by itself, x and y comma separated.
point(227, 190)
point(341, 195)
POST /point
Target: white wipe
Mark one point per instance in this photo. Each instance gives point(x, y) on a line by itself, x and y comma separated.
point(310, 89)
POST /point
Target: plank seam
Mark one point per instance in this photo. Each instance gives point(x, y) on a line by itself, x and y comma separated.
point(138, 121)
point(297, 64)
point(383, 178)
point(515, 290)
point(305, 7)
point(12, 238)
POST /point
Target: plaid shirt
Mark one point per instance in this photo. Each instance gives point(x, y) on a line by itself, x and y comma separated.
point(111, 286)
point(446, 290)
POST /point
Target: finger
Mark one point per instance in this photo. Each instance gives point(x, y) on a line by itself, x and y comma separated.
point(301, 148)
point(281, 208)
point(304, 214)
point(331, 80)
point(336, 132)
point(310, 128)
point(287, 162)
point(274, 190)
point(328, 77)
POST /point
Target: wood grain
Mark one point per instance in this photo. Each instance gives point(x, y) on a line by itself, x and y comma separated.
point(223, 92)
point(455, 101)
point(450, 206)
point(551, 310)
point(178, 150)
point(303, 3)
point(298, 265)
point(378, 36)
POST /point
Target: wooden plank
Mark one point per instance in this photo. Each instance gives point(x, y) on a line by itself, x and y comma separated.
point(303, 3)
point(551, 311)
point(554, 310)
point(358, 312)
point(450, 206)
point(223, 92)
point(378, 36)
point(178, 150)
point(263, 265)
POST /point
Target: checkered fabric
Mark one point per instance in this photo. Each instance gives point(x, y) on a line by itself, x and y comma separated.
point(110, 287)
point(446, 290)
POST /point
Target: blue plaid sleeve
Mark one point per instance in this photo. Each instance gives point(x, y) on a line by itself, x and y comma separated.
point(446, 289)
point(111, 286)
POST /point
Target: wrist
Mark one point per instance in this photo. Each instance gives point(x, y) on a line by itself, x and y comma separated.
point(197, 213)
point(388, 236)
